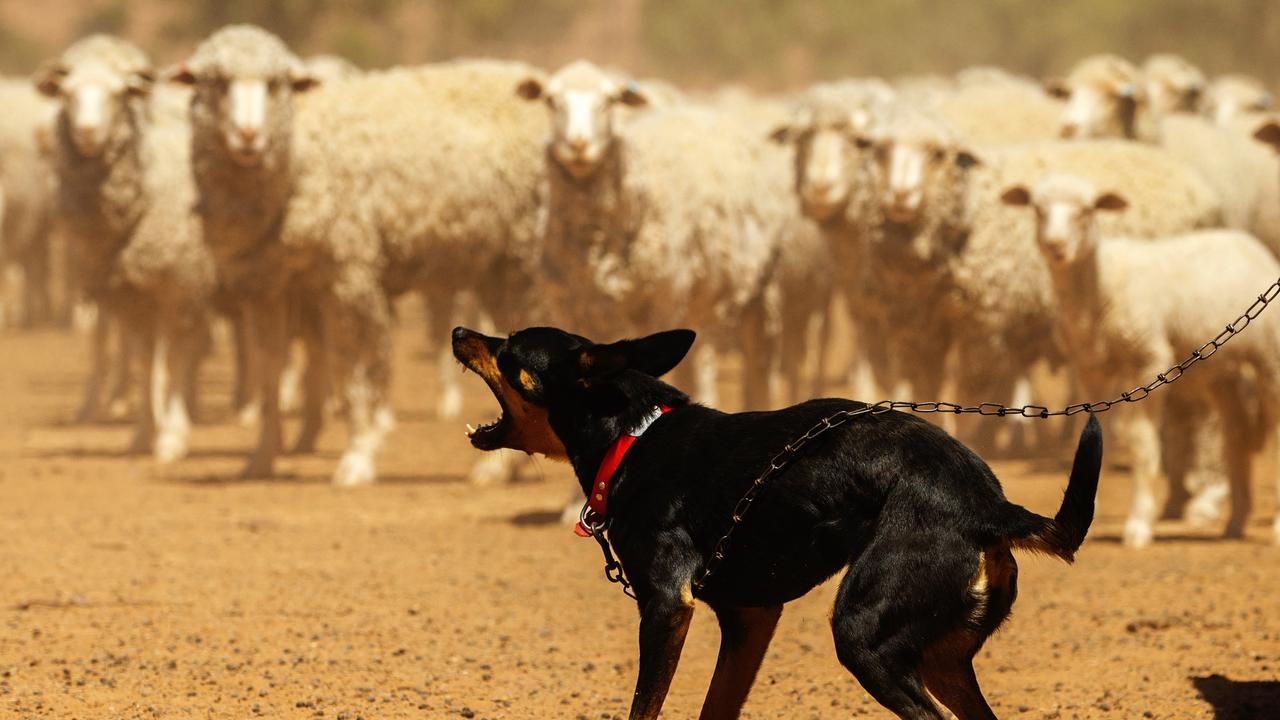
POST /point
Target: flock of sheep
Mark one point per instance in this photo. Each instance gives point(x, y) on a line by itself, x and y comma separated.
point(979, 228)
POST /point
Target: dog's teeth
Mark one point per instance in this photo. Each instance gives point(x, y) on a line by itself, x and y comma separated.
point(470, 429)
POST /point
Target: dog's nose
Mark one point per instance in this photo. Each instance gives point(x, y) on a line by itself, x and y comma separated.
point(460, 333)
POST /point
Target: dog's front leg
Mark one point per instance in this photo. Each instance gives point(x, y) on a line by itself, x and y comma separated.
point(744, 636)
point(664, 622)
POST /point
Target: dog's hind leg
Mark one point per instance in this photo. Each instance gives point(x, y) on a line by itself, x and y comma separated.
point(948, 674)
point(744, 636)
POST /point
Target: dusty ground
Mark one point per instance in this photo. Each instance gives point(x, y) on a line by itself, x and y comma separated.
point(130, 590)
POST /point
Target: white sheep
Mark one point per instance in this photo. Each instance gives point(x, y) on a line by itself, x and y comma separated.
point(834, 188)
point(1131, 309)
point(1172, 84)
point(381, 184)
point(1107, 100)
point(125, 192)
point(996, 108)
point(676, 219)
point(27, 292)
point(1232, 96)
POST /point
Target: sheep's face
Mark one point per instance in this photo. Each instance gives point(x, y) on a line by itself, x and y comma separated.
point(1103, 98)
point(826, 158)
point(93, 100)
point(1173, 84)
point(1065, 207)
point(910, 166)
point(1230, 97)
point(581, 99)
point(247, 99)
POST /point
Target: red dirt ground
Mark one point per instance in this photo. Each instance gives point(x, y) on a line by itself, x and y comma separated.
point(129, 590)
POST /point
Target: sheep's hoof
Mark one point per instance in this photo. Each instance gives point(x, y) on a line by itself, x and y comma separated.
point(449, 405)
point(354, 469)
point(1203, 512)
point(118, 409)
point(259, 468)
point(1137, 534)
point(170, 447)
point(492, 469)
point(248, 416)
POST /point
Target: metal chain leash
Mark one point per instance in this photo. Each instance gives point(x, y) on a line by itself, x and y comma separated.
point(790, 451)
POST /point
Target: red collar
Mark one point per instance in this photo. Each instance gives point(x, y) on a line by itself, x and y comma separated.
point(596, 509)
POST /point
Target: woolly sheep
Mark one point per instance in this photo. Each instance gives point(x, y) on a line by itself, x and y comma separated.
point(675, 220)
point(998, 108)
point(1122, 322)
point(1172, 84)
point(1231, 96)
point(125, 192)
point(359, 193)
point(1106, 101)
point(27, 228)
point(834, 190)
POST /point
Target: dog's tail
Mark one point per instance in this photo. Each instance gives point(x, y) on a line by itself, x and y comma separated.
point(1063, 534)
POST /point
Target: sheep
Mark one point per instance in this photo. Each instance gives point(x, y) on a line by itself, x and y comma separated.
point(330, 69)
point(1172, 84)
point(1232, 96)
point(27, 230)
point(989, 108)
point(834, 190)
point(676, 219)
point(353, 194)
point(1122, 321)
point(1109, 103)
point(125, 191)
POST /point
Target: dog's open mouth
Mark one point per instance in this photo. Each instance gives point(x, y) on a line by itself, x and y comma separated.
point(489, 435)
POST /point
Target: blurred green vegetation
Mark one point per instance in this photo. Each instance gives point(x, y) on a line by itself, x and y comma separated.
point(760, 42)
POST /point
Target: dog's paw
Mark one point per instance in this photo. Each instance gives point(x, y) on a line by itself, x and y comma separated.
point(356, 468)
point(1137, 533)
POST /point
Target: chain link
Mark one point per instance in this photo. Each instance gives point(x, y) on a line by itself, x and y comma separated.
point(835, 420)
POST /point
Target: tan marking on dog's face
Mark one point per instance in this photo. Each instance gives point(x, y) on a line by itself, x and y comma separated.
point(528, 427)
point(527, 381)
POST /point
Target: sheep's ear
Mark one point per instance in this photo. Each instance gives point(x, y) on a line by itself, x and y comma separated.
point(1265, 102)
point(1057, 88)
point(1110, 201)
point(48, 79)
point(966, 159)
point(1016, 196)
point(180, 74)
point(654, 355)
point(530, 88)
point(1269, 133)
point(139, 83)
point(1127, 90)
point(631, 95)
point(783, 134)
point(303, 82)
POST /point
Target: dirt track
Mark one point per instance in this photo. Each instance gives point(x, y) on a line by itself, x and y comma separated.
point(130, 590)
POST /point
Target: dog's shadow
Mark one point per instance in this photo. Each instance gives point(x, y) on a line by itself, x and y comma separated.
point(1238, 699)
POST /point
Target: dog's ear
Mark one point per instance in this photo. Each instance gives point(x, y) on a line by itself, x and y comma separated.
point(653, 355)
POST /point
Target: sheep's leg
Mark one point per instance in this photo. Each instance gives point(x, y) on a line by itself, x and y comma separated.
point(179, 348)
point(1238, 456)
point(757, 355)
point(246, 364)
point(442, 313)
point(141, 334)
point(706, 370)
point(122, 368)
point(90, 405)
point(315, 381)
point(268, 322)
point(818, 343)
point(1144, 443)
point(362, 346)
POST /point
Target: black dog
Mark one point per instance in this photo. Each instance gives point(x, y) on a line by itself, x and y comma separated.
point(918, 519)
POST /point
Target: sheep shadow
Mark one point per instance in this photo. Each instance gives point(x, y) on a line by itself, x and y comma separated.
point(536, 518)
point(1238, 699)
